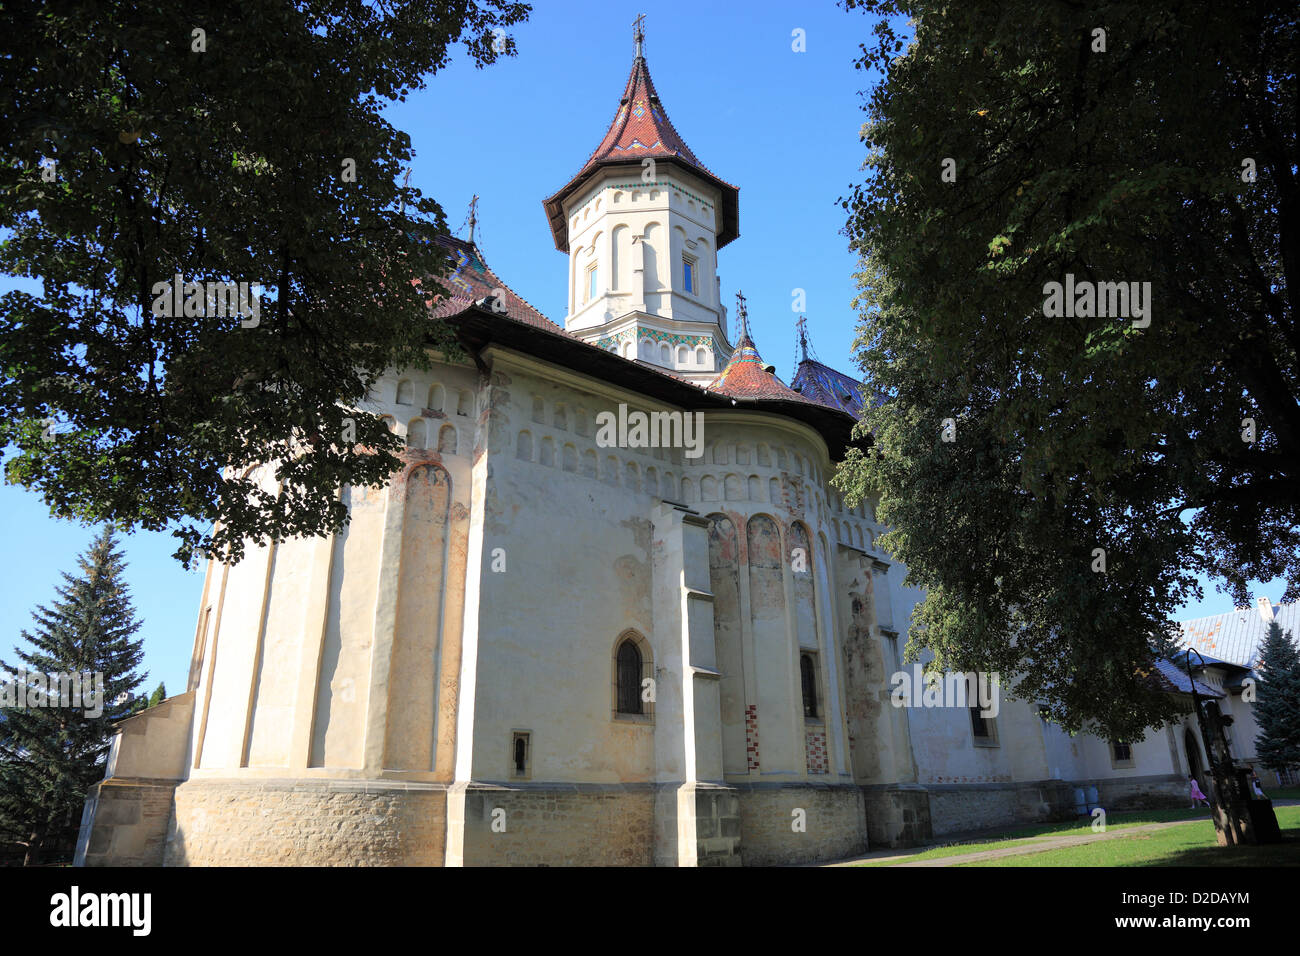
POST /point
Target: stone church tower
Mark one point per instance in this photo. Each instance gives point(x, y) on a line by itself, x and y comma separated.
point(538, 647)
point(642, 223)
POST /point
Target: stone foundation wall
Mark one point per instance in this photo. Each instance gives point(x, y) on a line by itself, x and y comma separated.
point(307, 823)
point(835, 823)
point(558, 825)
point(897, 817)
point(125, 823)
point(718, 839)
point(957, 808)
point(1141, 793)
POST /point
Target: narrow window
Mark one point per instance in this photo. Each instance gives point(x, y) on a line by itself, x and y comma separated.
point(808, 679)
point(688, 273)
point(519, 754)
point(981, 726)
point(629, 678)
point(591, 283)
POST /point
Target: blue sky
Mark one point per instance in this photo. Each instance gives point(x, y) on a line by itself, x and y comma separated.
point(781, 125)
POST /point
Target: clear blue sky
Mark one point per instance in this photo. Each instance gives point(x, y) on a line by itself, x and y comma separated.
point(781, 125)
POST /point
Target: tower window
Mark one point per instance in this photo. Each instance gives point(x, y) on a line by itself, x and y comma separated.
point(688, 273)
point(591, 282)
point(808, 681)
point(520, 753)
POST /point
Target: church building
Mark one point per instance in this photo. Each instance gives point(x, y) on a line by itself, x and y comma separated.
point(553, 641)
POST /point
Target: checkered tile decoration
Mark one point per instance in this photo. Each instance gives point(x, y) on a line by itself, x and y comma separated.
point(751, 735)
point(815, 745)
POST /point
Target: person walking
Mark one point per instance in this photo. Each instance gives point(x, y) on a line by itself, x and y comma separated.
point(1197, 796)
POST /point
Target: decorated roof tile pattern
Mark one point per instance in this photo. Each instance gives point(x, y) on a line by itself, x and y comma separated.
point(825, 385)
point(641, 127)
point(471, 280)
point(745, 376)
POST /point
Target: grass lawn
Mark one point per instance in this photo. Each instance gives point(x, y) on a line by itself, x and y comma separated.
point(1190, 845)
point(1072, 828)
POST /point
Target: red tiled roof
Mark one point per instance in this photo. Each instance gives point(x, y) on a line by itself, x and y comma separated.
point(641, 129)
point(746, 376)
point(641, 126)
point(471, 280)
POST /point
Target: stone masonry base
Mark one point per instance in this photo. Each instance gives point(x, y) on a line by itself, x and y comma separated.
point(124, 823)
point(304, 822)
point(832, 823)
point(307, 823)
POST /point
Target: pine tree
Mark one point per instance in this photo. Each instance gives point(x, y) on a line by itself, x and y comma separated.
point(50, 756)
point(1277, 710)
point(159, 695)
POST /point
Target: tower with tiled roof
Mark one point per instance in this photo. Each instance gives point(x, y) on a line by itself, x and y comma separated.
point(819, 382)
point(746, 375)
point(642, 222)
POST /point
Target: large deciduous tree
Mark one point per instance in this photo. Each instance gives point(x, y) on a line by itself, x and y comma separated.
point(238, 142)
point(1056, 477)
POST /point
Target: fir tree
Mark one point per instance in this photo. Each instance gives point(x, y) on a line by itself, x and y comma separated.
point(159, 695)
point(50, 756)
point(1277, 709)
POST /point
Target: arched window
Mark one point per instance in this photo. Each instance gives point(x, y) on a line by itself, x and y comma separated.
point(808, 679)
point(628, 678)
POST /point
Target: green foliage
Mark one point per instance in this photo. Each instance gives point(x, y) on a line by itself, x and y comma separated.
point(1076, 434)
point(50, 756)
point(159, 695)
point(229, 163)
point(1277, 703)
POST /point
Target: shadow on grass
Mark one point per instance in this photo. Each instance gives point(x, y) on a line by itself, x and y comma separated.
point(1286, 853)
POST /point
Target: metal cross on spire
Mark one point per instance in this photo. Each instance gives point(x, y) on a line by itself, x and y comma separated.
point(802, 327)
point(473, 219)
point(638, 32)
point(742, 314)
